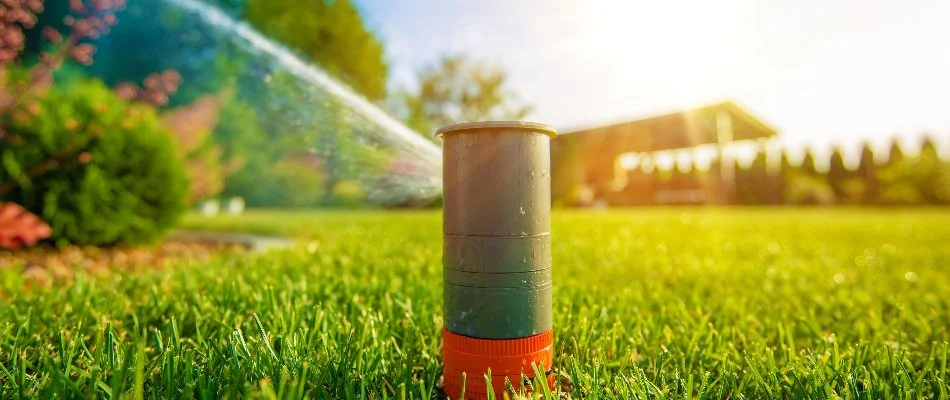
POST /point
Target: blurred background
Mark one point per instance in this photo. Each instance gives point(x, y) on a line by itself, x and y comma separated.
point(116, 116)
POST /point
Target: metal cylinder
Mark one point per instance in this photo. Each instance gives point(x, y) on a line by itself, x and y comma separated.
point(496, 245)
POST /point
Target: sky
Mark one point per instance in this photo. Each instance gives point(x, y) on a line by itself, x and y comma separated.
point(822, 72)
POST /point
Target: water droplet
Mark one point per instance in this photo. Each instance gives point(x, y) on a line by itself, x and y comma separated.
point(522, 210)
point(839, 278)
point(524, 260)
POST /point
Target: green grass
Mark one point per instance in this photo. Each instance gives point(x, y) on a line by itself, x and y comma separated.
point(672, 303)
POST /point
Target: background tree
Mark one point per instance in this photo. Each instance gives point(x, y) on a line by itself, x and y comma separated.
point(457, 89)
point(332, 34)
point(566, 177)
point(806, 185)
point(808, 166)
point(899, 178)
point(896, 154)
point(753, 181)
point(838, 175)
point(913, 180)
point(867, 174)
point(935, 187)
point(783, 176)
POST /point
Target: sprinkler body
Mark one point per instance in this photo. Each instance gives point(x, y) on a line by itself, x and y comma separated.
point(496, 254)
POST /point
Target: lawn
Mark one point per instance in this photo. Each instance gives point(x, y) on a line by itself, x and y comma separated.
point(650, 303)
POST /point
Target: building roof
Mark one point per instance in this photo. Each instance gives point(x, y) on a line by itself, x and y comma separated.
point(681, 129)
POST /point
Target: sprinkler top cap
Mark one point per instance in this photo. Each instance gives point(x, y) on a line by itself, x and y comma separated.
point(504, 125)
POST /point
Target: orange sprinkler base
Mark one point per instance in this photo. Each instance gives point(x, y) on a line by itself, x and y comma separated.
point(507, 358)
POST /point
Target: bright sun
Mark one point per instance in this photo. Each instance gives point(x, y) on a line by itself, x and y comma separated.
point(683, 46)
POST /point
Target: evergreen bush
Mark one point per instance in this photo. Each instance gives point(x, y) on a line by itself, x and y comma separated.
point(98, 169)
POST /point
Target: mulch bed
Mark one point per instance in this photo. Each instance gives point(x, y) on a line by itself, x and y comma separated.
point(44, 265)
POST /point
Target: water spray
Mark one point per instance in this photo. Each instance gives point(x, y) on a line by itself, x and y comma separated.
point(353, 139)
point(496, 254)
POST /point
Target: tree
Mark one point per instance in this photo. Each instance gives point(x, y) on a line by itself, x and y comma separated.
point(808, 186)
point(916, 180)
point(935, 187)
point(457, 89)
point(838, 175)
point(896, 154)
point(868, 174)
point(752, 182)
point(808, 166)
point(332, 34)
point(783, 177)
point(928, 149)
point(899, 178)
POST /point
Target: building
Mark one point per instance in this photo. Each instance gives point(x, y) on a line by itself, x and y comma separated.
point(612, 164)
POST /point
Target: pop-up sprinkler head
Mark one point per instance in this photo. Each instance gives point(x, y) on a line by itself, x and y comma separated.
point(496, 254)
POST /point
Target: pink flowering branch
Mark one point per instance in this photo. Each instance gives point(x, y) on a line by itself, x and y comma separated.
point(156, 90)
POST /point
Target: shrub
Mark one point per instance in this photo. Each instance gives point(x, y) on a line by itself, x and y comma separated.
point(99, 170)
point(348, 193)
